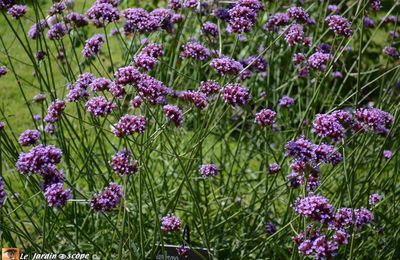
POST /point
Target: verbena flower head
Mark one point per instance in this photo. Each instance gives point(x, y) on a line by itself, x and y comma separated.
point(273, 168)
point(275, 21)
point(208, 170)
point(29, 137)
point(2, 192)
point(209, 87)
point(266, 117)
point(108, 199)
point(327, 126)
point(170, 223)
point(39, 98)
point(270, 228)
point(374, 119)
point(76, 92)
point(376, 5)
point(210, 28)
point(387, 154)
point(153, 50)
point(391, 52)
point(56, 196)
point(333, 9)
point(127, 76)
point(374, 199)
point(236, 95)
point(226, 66)
point(294, 34)
point(138, 19)
point(38, 158)
point(145, 61)
point(151, 89)
point(339, 25)
point(286, 102)
point(183, 251)
point(36, 30)
point(129, 124)
point(319, 60)
point(100, 84)
point(298, 14)
point(301, 149)
point(363, 217)
point(198, 98)
point(326, 153)
point(341, 237)
point(174, 4)
point(344, 218)
point(54, 111)
point(102, 14)
point(51, 176)
point(314, 207)
point(17, 11)
point(295, 180)
point(100, 106)
point(3, 71)
point(50, 128)
point(57, 31)
point(368, 22)
point(242, 19)
point(174, 114)
point(93, 46)
point(5, 4)
point(123, 164)
point(195, 51)
point(136, 102)
point(76, 19)
point(190, 3)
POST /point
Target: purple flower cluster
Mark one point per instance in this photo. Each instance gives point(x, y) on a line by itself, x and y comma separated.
point(152, 89)
point(100, 106)
point(236, 95)
point(100, 84)
point(210, 28)
point(107, 200)
point(127, 76)
point(3, 71)
point(93, 46)
point(195, 51)
point(174, 4)
point(54, 111)
point(387, 154)
point(38, 158)
point(243, 16)
point(209, 87)
point(298, 14)
point(319, 60)
point(56, 196)
point(391, 52)
point(312, 243)
point(102, 13)
point(315, 207)
point(301, 149)
point(273, 168)
point(190, 3)
point(328, 126)
point(339, 25)
point(129, 124)
point(2, 192)
point(17, 11)
point(138, 19)
point(276, 20)
point(286, 102)
point(57, 31)
point(266, 117)
point(198, 98)
point(374, 198)
point(77, 19)
point(29, 137)
point(170, 223)
point(294, 34)
point(36, 30)
point(174, 114)
point(225, 65)
point(207, 170)
point(374, 119)
point(123, 164)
